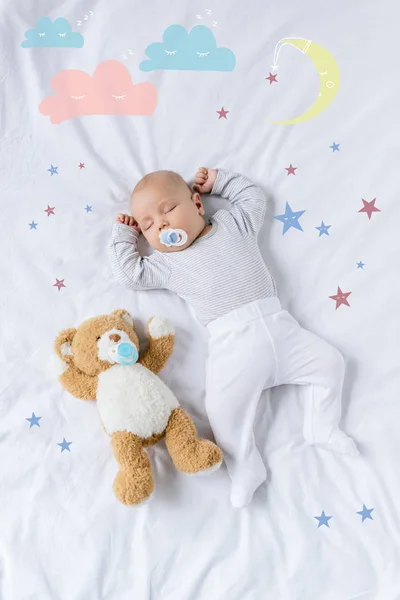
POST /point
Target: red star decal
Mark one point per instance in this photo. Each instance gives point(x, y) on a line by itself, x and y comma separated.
point(291, 169)
point(222, 113)
point(49, 210)
point(272, 78)
point(59, 284)
point(81, 165)
point(369, 207)
point(340, 298)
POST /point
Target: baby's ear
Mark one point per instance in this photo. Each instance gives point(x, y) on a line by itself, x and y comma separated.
point(196, 199)
point(120, 313)
point(62, 345)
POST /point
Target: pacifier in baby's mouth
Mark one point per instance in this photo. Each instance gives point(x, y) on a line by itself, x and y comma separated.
point(124, 353)
point(173, 237)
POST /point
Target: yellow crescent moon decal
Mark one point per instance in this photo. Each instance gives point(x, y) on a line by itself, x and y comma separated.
point(328, 71)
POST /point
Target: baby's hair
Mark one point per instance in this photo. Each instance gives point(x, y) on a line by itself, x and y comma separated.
point(151, 177)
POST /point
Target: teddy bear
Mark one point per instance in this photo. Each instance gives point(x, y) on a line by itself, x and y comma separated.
point(100, 361)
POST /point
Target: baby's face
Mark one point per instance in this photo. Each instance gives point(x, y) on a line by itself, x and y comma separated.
point(163, 204)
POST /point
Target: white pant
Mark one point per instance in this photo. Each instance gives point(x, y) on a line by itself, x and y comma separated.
point(256, 347)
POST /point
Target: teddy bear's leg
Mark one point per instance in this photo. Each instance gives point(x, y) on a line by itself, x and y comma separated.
point(134, 481)
point(189, 453)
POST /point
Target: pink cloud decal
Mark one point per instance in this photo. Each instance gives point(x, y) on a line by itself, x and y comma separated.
point(109, 92)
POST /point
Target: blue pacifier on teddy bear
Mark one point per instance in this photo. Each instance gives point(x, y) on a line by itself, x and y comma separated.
point(124, 353)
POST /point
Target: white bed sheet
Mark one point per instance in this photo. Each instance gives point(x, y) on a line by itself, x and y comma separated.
point(63, 535)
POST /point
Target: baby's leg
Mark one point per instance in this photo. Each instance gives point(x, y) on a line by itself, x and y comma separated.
point(309, 361)
point(237, 371)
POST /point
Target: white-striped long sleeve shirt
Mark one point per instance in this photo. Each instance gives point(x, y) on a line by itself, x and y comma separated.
point(218, 272)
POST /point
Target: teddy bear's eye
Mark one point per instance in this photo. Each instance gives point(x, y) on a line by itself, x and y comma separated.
point(98, 338)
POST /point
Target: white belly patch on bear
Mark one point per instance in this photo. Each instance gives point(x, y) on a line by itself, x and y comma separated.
point(131, 398)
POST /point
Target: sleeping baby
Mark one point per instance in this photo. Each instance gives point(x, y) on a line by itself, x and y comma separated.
point(254, 344)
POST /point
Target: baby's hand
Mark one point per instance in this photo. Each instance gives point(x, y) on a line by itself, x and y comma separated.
point(204, 180)
point(127, 220)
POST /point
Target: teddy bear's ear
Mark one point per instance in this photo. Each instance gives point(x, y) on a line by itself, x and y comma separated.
point(120, 313)
point(62, 345)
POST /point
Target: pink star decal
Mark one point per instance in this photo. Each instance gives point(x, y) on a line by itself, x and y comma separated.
point(369, 207)
point(272, 78)
point(49, 210)
point(222, 113)
point(59, 284)
point(291, 169)
point(340, 298)
point(81, 165)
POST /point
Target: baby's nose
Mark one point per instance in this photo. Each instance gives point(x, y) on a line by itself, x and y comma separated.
point(163, 225)
point(115, 337)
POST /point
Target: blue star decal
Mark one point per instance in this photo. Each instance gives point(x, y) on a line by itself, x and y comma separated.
point(53, 170)
point(290, 219)
point(88, 208)
point(33, 225)
point(65, 445)
point(33, 420)
point(323, 520)
point(365, 513)
point(323, 229)
point(360, 265)
point(335, 147)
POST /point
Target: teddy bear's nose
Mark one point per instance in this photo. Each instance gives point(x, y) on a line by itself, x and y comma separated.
point(115, 337)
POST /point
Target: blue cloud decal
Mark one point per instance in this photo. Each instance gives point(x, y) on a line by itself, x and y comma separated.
point(52, 35)
point(195, 50)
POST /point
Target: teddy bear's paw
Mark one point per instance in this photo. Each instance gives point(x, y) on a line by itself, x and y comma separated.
point(160, 327)
point(134, 488)
point(207, 470)
point(199, 457)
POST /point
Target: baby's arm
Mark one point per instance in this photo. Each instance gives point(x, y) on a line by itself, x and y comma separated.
point(131, 269)
point(248, 199)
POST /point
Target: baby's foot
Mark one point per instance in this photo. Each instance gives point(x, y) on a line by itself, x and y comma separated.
point(252, 474)
point(242, 494)
point(339, 442)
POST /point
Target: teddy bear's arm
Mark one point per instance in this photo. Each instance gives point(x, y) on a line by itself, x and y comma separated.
point(79, 384)
point(161, 344)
